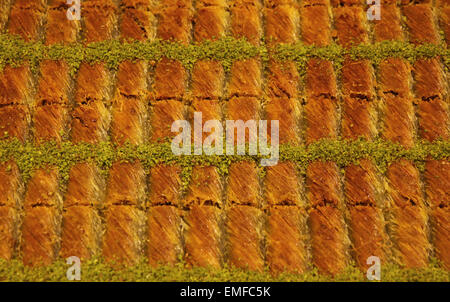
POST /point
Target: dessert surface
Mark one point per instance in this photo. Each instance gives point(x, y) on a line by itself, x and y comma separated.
point(87, 108)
